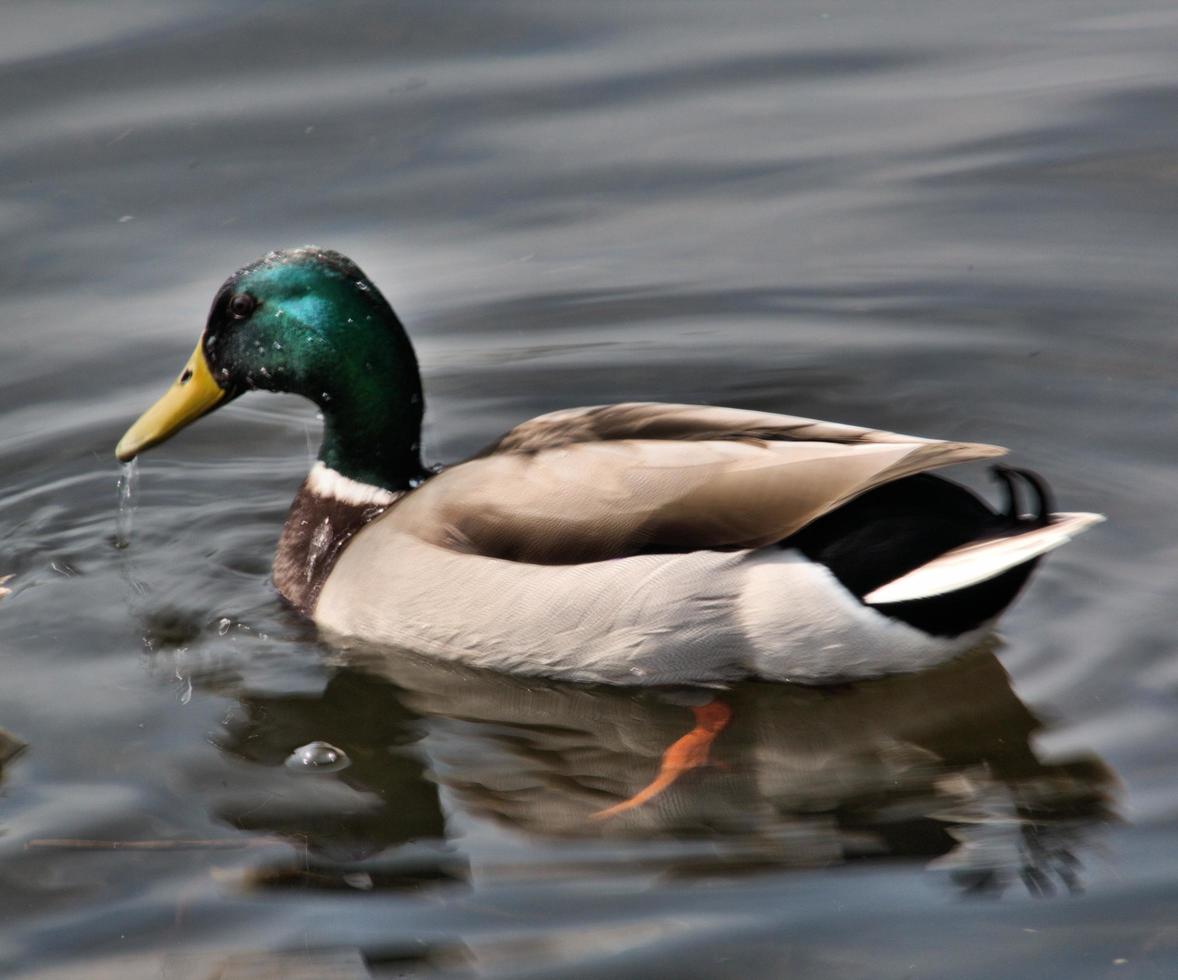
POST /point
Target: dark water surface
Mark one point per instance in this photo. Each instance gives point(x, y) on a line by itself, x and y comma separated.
point(951, 219)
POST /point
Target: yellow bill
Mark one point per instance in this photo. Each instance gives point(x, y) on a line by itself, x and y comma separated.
point(194, 394)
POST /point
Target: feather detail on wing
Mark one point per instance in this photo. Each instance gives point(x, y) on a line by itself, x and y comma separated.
point(658, 420)
point(575, 489)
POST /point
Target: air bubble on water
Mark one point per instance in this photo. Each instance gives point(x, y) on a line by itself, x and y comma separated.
point(318, 757)
point(223, 626)
point(128, 500)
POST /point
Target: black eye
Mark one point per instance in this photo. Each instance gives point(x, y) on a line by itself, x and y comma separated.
point(242, 305)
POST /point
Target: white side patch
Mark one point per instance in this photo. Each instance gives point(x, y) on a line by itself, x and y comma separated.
point(974, 563)
point(326, 482)
point(802, 625)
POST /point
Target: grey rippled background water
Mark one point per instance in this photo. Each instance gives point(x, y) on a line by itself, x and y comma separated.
point(952, 219)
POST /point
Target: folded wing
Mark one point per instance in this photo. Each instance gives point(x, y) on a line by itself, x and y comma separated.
point(600, 483)
point(659, 420)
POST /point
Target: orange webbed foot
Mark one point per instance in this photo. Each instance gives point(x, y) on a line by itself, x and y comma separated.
point(684, 754)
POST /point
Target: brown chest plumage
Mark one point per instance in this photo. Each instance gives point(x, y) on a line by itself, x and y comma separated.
point(316, 530)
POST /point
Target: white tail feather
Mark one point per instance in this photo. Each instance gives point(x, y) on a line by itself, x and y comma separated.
point(982, 560)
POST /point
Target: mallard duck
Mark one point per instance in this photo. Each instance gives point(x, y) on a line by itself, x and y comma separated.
point(636, 543)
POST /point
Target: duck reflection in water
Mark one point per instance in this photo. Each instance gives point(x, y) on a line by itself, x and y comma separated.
point(937, 766)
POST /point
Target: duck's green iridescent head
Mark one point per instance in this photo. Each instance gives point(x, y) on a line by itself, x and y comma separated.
point(309, 322)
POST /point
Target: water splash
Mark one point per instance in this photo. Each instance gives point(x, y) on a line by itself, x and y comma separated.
point(183, 677)
point(128, 501)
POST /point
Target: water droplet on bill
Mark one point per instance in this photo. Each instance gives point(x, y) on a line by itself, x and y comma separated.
point(128, 500)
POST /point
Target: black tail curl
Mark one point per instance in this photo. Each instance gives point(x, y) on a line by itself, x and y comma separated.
point(1041, 498)
point(892, 529)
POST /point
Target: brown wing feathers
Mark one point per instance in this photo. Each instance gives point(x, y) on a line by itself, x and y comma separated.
point(594, 484)
point(658, 420)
